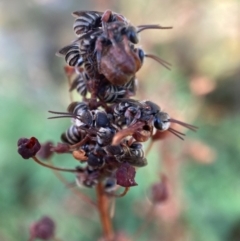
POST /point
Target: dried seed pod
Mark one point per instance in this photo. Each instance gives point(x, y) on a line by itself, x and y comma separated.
point(43, 229)
point(125, 175)
point(28, 147)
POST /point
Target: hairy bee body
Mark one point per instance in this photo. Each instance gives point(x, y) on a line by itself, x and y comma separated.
point(89, 20)
point(105, 136)
point(132, 154)
point(135, 155)
point(73, 135)
point(111, 93)
point(80, 83)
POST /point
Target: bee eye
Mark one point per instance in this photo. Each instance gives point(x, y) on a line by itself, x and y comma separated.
point(158, 123)
point(132, 36)
point(161, 121)
point(141, 55)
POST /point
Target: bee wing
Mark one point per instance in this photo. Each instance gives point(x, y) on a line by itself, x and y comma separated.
point(81, 13)
point(94, 33)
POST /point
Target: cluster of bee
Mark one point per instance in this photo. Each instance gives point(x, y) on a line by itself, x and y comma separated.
point(108, 126)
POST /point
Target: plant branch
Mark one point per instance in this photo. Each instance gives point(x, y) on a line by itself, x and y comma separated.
point(103, 204)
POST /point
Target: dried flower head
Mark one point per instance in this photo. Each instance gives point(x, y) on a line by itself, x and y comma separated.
point(125, 175)
point(159, 191)
point(43, 229)
point(28, 148)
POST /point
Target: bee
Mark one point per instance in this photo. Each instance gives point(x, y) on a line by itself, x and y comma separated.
point(105, 136)
point(95, 161)
point(120, 60)
point(106, 92)
point(81, 112)
point(111, 93)
point(72, 55)
point(73, 135)
point(89, 20)
point(129, 112)
point(80, 83)
point(133, 153)
point(106, 44)
point(83, 117)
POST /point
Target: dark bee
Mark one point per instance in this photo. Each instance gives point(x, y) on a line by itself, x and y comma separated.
point(80, 83)
point(106, 45)
point(84, 117)
point(100, 119)
point(95, 161)
point(81, 112)
point(72, 55)
point(132, 154)
point(131, 111)
point(73, 135)
point(106, 92)
point(110, 93)
point(127, 112)
point(105, 136)
point(89, 20)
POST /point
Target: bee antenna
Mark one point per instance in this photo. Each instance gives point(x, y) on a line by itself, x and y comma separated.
point(140, 28)
point(189, 126)
point(176, 133)
point(159, 60)
point(63, 115)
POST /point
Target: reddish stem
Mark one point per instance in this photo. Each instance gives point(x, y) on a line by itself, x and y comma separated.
point(52, 167)
point(103, 204)
point(121, 194)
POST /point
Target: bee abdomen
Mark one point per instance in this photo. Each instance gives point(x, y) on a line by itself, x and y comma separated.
point(72, 135)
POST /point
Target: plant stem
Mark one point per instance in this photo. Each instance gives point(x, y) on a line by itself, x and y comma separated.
point(103, 202)
point(52, 167)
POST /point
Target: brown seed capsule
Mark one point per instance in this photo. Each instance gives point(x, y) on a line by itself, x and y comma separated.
point(80, 155)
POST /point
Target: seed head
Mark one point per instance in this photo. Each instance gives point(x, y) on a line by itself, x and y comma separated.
point(159, 190)
point(125, 175)
point(28, 147)
point(43, 229)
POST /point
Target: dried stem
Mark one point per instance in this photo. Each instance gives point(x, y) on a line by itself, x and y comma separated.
point(52, 167)
point(103, 204)
point(120, 194)
point(149, 147)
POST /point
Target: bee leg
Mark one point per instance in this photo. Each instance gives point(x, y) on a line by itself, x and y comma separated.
point(130, 141)
point(98, 51)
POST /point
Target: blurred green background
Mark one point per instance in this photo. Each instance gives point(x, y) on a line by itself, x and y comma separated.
point(202, 89)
